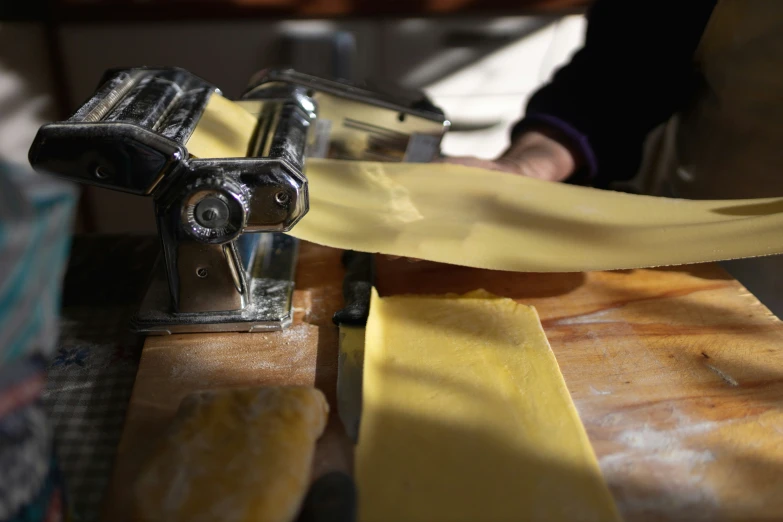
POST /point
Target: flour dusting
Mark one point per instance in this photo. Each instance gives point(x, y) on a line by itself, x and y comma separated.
point(666, 446)
point(206, 361)
point(660, 472)
point(591, 318)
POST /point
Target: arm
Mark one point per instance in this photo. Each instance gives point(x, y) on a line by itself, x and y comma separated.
point(603, 103)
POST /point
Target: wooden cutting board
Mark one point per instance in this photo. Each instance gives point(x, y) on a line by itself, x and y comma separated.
point(677, 375)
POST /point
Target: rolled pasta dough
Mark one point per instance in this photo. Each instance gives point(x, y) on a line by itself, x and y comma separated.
point(488, 219)
point(466, 417)
point(240, 455)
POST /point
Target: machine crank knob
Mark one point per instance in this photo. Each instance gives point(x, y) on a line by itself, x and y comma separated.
point(214, 210)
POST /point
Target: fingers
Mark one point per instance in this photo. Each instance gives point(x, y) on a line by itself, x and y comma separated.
point(502, 164)
point(401, 258)
point(539, 157)
point(468, 161)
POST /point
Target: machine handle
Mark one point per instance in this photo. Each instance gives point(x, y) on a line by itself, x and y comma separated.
point(357, 289)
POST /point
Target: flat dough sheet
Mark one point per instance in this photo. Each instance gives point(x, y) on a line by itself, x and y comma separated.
point(466, 417)
point(224, 130)
point(488, 219)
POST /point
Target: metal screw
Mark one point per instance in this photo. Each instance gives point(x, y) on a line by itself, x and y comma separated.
point(212, 212)
point(282, 198)
point(202, 272)
point(101, 173)
point(209, 215)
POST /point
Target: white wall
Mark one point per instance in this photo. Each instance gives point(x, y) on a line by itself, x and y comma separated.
point(26, 100)
point(493, 91)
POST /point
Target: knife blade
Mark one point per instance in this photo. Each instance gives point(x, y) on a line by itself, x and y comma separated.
point(352, 318)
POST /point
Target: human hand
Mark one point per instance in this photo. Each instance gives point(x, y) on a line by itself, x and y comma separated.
point(533, 154)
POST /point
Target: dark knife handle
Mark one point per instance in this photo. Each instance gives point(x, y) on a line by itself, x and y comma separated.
point(332, 498)
point(357, 288)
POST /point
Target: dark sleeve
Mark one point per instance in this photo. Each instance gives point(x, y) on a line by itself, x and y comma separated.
point(634, 71)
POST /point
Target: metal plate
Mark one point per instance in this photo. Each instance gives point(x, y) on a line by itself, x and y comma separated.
point(271, 284)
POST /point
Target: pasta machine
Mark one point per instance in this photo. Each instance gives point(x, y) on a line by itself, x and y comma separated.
point(226, 263)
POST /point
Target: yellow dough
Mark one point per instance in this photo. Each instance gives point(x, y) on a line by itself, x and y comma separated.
point(224, 130)
point(234, 455)
point(488, 219)
point(466, 417)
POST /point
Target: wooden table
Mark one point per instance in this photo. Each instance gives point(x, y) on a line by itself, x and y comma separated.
point(677, 375)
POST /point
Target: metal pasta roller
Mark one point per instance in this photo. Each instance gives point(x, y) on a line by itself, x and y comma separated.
point(226, 263)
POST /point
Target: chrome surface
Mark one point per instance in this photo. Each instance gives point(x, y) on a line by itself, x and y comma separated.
point(279, 198)
point(214, 210)
point(357, 124)
point(214, 274)
point(271, 287)
point(130, 135)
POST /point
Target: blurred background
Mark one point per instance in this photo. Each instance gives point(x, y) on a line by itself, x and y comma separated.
point(478, 60)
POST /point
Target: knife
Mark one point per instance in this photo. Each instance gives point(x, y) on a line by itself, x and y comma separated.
point(331, 498)
point(352, 319)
